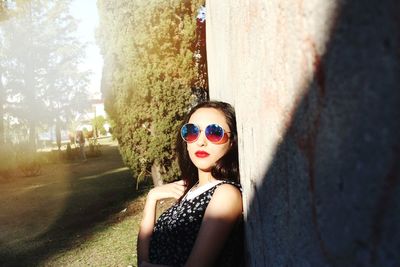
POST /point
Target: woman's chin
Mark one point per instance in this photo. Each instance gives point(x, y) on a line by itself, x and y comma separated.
point(204, 168)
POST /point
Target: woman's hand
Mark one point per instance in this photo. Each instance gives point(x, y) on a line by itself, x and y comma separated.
point(171, 190)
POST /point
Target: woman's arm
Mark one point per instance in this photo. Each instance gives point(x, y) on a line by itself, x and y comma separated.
point(172, 190)
point(223, 211)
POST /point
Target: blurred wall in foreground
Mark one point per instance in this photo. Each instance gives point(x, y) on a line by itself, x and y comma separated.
point(316, 89)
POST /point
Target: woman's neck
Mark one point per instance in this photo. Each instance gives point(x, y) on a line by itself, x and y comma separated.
point(205, 177)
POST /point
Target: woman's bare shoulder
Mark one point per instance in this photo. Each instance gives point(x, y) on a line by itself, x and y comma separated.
point(226, 201)
point(228, 189)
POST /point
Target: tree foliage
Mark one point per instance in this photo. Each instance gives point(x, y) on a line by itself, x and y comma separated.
point(7, 11)
point(8, 8)
point(40, 57)
point(98, 125)
point(148, 77)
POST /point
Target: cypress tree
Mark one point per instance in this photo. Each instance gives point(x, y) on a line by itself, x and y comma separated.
point(148, 76)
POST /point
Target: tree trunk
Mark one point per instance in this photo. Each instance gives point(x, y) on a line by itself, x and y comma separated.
point(156, 174)
point(2, 100)
point(32, 135)
point(58, 133)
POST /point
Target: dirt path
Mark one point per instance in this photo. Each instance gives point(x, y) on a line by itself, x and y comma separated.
point(44, 213)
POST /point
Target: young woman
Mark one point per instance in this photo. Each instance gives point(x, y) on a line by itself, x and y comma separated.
point(204, 227)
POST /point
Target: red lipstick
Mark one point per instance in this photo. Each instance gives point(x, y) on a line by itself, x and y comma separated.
point(201, 154)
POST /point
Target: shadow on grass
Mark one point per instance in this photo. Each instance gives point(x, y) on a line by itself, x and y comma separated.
point(93, 199)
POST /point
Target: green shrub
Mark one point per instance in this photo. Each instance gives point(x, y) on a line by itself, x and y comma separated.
point(29, 163)
point(69, 153)
point(7, 160)
point(94, 148)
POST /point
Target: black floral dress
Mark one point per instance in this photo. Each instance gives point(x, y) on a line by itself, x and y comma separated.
point(176, 231)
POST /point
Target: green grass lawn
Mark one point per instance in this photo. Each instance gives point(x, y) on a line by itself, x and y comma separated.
point(70, 214)
point(108, 244)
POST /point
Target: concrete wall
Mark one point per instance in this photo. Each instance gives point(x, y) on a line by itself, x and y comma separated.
point(316, 88)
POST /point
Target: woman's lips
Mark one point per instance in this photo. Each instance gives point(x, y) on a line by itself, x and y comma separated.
point(201, 154)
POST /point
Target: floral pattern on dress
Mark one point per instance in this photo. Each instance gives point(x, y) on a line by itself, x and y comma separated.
point(176, 231)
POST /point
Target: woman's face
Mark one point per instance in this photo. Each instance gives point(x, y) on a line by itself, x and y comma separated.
point(203, 152)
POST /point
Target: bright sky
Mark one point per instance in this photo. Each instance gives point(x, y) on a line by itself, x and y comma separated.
point(86, 12)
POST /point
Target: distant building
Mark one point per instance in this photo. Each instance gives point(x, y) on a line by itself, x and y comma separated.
point(96, 110)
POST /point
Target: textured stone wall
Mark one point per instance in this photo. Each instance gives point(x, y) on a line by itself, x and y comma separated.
point(316, 88)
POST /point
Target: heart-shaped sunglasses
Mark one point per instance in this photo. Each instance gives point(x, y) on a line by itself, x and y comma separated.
point(214, 133)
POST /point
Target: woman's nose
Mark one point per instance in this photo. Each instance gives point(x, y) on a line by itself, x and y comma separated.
point(202, 140)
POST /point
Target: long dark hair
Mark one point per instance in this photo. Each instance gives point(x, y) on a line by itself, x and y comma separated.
point(227, 167)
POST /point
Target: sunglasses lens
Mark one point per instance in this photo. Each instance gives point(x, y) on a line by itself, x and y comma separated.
point(190, 132)
point(214, 132)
